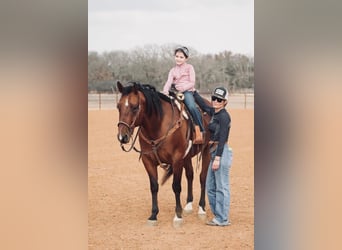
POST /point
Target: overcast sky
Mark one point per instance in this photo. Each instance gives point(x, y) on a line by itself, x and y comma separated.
point(209, 26)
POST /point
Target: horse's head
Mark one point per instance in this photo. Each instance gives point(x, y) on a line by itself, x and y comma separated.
point(130, 106)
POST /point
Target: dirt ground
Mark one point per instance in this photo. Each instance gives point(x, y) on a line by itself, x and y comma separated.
point(119, 199)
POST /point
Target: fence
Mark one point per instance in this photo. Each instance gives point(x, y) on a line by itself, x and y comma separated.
point(104, 101)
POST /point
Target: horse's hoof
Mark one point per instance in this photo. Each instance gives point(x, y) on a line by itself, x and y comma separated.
point(188, 208)
point(151, 223)
point(201, 211)
point(177, 222)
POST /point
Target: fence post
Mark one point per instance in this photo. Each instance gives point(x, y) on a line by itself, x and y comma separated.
point(245, 100)
point(99, 101)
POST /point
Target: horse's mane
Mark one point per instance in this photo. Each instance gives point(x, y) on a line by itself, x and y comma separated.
point(152, 96)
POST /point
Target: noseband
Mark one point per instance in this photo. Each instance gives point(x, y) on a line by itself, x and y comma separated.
point(131, 128)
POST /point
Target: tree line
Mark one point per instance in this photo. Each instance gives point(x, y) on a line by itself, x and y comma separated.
point(151, 64)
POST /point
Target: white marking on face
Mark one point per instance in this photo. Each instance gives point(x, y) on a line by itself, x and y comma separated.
point(126, 102)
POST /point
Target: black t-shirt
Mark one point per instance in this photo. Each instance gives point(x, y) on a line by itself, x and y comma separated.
point(219, 125)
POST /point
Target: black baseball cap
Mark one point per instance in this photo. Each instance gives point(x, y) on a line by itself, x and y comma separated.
point(221, 92)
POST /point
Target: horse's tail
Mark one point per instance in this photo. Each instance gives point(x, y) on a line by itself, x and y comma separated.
point(168, 173)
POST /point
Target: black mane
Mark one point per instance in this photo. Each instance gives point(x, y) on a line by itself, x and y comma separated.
point(152, 96)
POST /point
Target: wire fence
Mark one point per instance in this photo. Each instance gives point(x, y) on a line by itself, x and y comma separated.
point(105, 101)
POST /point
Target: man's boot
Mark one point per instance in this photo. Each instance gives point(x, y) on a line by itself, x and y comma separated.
point(198, 136)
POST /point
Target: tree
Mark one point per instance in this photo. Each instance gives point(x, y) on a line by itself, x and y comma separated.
point(151, 64)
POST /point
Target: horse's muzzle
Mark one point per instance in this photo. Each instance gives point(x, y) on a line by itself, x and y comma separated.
point(124, 139)
point(124, 132)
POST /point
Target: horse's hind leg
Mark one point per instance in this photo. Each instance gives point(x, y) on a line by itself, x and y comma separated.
point(176, 186)
point(189, 172)
point(203, 176)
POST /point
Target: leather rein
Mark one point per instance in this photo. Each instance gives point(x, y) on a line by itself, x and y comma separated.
point(155, 144)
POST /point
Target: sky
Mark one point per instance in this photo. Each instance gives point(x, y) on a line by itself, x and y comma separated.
point(209, 26)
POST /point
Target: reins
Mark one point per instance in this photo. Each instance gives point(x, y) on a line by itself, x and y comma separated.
point(132, 145)
point(131, 129)
point(156, 143)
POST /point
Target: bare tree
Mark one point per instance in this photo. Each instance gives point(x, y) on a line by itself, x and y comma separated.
point(151, 64)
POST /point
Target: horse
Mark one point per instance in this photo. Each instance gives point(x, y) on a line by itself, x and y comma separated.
point(165, 141)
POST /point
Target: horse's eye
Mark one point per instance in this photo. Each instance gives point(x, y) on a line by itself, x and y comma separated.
point(118, 106)
point(135, 109)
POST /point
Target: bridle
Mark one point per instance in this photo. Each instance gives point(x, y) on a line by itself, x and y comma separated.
point(155, 144)
point(130, 128)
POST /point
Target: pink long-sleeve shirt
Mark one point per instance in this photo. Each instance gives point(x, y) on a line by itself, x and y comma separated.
point(183, 76)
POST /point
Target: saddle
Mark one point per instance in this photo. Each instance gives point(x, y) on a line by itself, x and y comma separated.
point(178, 100)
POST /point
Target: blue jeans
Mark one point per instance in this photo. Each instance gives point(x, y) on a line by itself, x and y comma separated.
point(189, 101)
point(218, 188)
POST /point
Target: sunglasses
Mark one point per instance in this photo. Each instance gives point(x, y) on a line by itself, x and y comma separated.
point(214, 98)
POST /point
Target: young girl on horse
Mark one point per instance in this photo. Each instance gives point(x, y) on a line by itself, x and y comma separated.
point(183, 77)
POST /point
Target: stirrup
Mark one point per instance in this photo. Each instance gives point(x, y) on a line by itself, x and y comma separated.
point(198, 138)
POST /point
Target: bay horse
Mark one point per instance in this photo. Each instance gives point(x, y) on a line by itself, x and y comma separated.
point(165, 140)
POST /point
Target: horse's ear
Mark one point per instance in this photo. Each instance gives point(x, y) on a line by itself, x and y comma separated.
point(119, 85)
point(135, 88)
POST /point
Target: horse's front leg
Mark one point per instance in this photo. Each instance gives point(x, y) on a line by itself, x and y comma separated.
point(203, 176)
point(176, 186)
point(154, 187)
